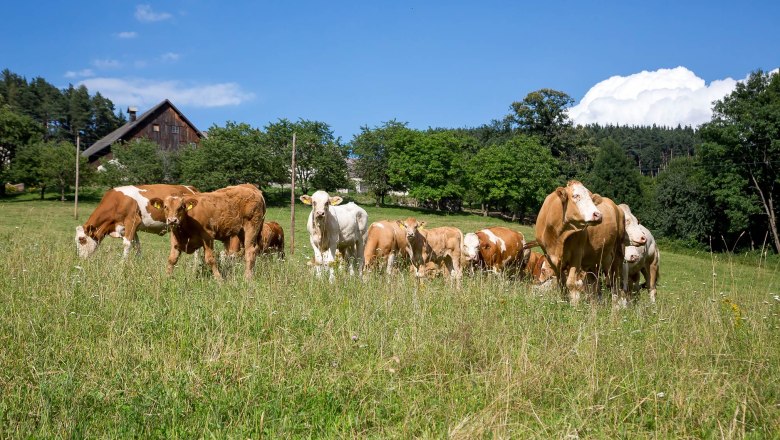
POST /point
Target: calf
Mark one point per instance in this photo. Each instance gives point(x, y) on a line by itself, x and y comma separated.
point(440, 246)
point(643, 259)
point(123, 212)
point(385, 239)
point(496, 249)
point(333, 227)
point(272, 239)
point(197, 220)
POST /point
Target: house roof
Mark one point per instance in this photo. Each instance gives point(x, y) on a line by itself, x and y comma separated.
point(120, 133)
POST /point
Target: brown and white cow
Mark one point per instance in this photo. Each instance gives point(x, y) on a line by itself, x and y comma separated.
point(496, 249)
point(123, 212)
point(332, 227)
point(199, 219)
point(440, 246)
point(386, 239)
point(604, 248)
point(537, 268)
point(561, 232)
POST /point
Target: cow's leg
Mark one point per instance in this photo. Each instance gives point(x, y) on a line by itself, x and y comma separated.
point(251, 237)
point(349, 258)
point(211, 260)
point(173, 257)
point(359, 250)
point(574, 285)
point(318, 261)
point(651, 276)
point(390, 261)
point(328, 261)
point(130, 239)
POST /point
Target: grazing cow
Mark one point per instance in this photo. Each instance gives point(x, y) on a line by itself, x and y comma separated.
point(440, 246)
point(272, 239)
point(537, 268)
point(560, 230)
point(635, 234)
point(385, 239)
point(197, 220)
point(646, 259)
point(333, 227)
point(123, 212)
point(496, 249)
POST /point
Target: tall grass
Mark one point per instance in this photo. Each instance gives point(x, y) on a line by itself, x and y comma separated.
point(107, 348)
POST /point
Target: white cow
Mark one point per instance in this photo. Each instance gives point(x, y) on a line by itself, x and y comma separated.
point(332, 227)
point(635, 234)
point(643, 258)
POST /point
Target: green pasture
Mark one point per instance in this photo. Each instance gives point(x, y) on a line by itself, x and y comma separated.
point(106, 348)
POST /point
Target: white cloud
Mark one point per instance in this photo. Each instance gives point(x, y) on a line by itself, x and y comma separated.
point(146, 93)
point(127, 35)
point(145, 14)
point(79, 74)
point(666, 97)
point(170, 57)
point(106, 64)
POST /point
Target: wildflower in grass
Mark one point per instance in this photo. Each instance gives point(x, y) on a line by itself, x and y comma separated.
point(736, 311)
point(660, 395)
point(354, 338)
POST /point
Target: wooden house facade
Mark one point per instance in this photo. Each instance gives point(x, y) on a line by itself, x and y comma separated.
point(163, 124)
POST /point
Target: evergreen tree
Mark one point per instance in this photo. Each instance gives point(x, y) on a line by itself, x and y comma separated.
point(614, 175)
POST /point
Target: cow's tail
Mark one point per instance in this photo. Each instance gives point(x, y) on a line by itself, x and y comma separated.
point(531, 244)
point(359, 217)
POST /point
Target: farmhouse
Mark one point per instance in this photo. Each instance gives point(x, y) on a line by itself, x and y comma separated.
point(163, 124)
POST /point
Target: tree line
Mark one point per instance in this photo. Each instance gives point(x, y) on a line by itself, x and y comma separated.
point(716, 185)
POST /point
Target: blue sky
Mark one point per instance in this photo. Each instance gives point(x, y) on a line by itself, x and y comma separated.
point(429, 63)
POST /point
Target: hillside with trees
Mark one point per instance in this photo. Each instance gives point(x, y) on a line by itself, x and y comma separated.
point(715, 186)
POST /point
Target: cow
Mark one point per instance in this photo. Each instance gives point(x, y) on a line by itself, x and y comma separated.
point(335, 227)
point(604, 247)
point(561, 232)
point(197, 220)
point(440, 246)
point(635, 234)
point(123, 212)
point(496, 249)
point(535, 268)
point(272, 239)
point(386, 239)
point(644, 259)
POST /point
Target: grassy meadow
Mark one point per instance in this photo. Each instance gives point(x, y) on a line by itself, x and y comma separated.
point(107, 348)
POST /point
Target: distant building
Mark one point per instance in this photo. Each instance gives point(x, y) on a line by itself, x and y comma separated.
point(163, 124)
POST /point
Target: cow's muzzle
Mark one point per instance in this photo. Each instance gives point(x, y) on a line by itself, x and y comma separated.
point(172, 221)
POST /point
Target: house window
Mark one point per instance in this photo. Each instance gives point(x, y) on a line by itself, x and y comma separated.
point(156, 128)
point(175, 129)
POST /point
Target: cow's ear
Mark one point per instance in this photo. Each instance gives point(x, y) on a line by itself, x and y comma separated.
point(90, 230)
point(157, 203)
point(335, 200)
point(305, 199)
point(400, 224)
point(597, 199)
point(561, 191)
point(421, 225)
point(190, 203)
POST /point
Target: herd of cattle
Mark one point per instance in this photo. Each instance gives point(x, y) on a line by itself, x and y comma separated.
point(583, 237)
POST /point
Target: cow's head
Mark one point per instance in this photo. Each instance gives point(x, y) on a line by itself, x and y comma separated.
point(86, 245)
point(320, 203)
point(582, 210)
point(411, 226)
point(633, 254)
point(636, 235)
point(174, 208)
point(471, 246)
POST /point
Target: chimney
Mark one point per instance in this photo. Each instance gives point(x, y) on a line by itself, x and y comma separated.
point(132, 111)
